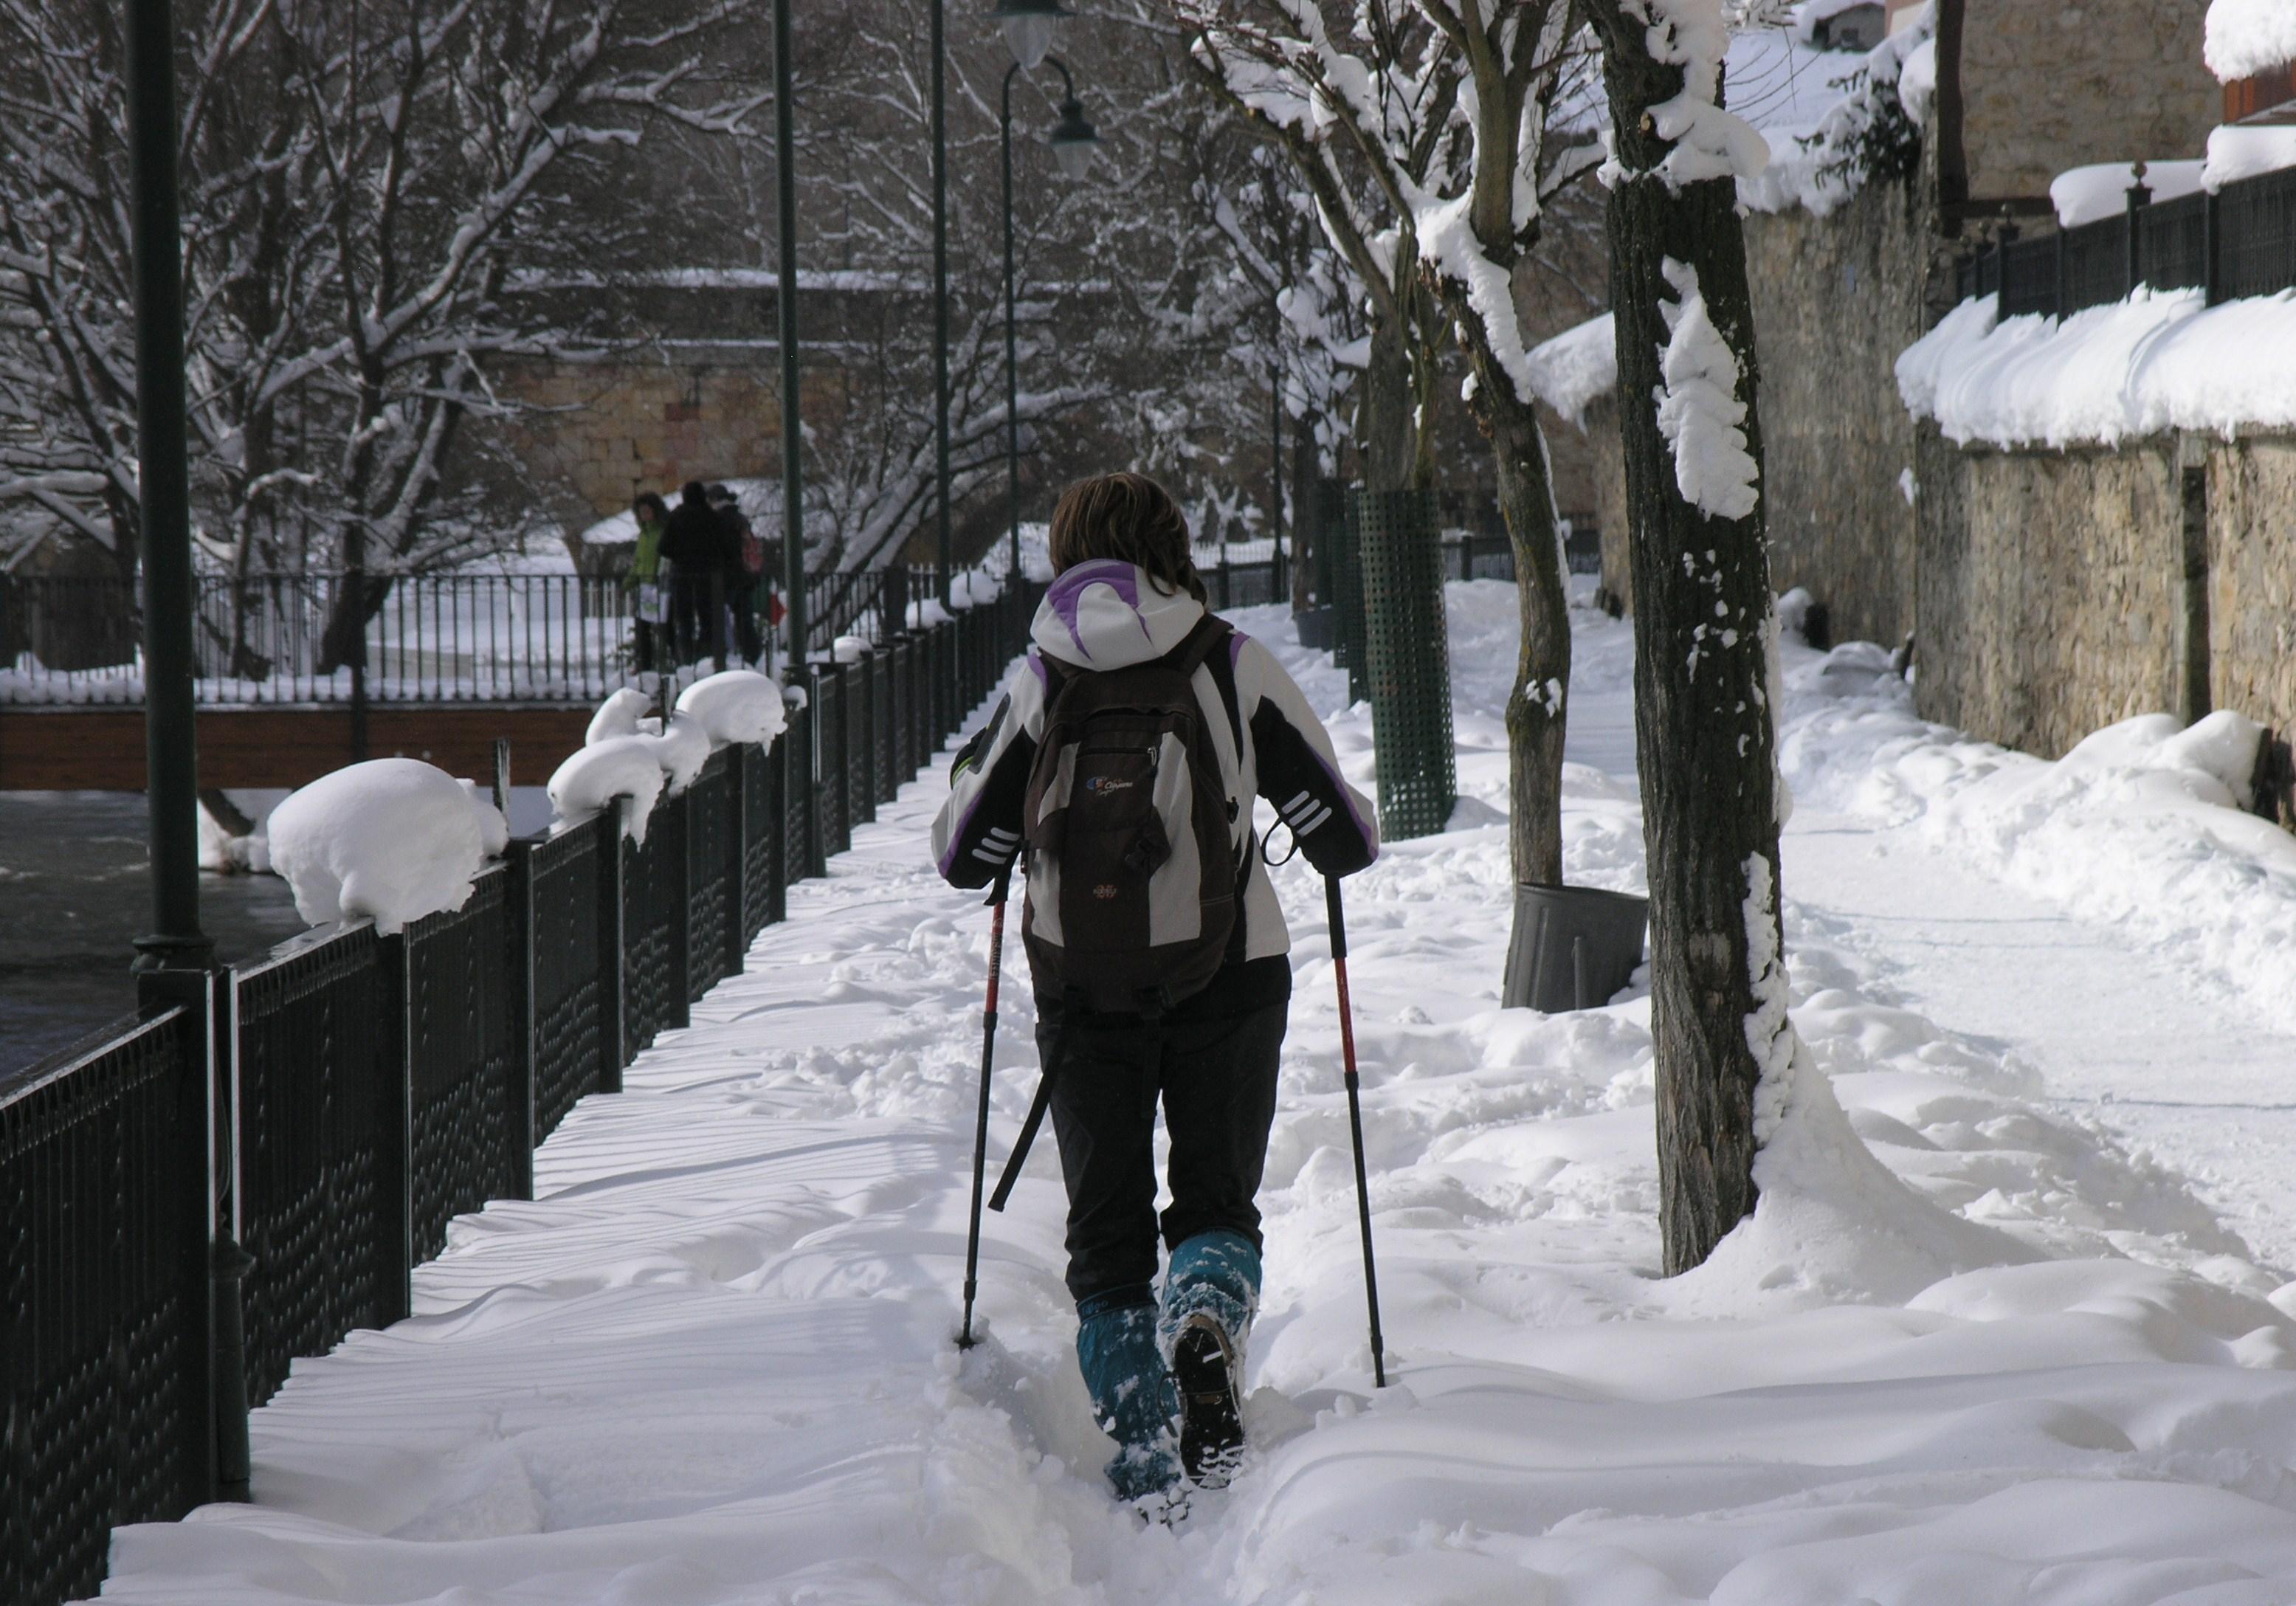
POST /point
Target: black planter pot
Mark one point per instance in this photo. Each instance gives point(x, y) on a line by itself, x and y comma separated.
point(1318, 627)
point(1573, 946)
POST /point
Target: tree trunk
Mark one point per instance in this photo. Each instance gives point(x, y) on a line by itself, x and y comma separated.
point(1306, 508)
point(1537, 709)
point(1703, 727)
point(1387, 444)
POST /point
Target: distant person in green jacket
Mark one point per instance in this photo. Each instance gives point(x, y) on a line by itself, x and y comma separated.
point(649, 602)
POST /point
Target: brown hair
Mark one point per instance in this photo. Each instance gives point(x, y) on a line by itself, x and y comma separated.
point(1127, 517)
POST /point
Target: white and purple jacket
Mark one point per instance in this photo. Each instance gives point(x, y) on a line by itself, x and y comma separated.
point(1107, 614)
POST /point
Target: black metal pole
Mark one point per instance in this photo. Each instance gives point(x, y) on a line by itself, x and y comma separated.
point(164, 498)
point(964, 1340)
point(940, 297)
point(1012, 349)
point(794, 577)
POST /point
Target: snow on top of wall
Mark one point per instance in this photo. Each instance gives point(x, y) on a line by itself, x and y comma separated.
point(1812, 105)
point(2248, 36)
point(392, 839)
point(1581, 364)
point(2236, 153)
point(1698, 411)
point(2161, 360)
point(2085, 194)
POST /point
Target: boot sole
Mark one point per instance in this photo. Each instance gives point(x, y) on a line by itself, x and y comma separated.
point(1211, 1415)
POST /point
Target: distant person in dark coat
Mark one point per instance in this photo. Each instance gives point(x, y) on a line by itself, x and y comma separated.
point(693, 544)
point(745, 574)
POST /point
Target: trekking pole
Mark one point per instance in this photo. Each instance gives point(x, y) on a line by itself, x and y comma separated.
point(1355, 1119)
point(980, 1124)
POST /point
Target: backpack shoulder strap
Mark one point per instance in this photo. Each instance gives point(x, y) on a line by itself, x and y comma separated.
point(1206, 647)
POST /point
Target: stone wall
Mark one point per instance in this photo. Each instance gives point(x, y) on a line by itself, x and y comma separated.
point(2057, 595)
point(1836, 299)
point(2048, 85)
point(2251, 590)
point(598, 434)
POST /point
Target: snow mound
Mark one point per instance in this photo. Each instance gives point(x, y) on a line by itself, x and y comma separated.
point(392, 838)
point(2237, 153)
point(623, 713)
point(1573, 370)
point(2140, 828)
point(2244, 37)
point(616, 766)
point(2161, 360)
point(1833, 1223)
point(850, 649)
point(2086, 194)
point(682, 748)
point(735, 706)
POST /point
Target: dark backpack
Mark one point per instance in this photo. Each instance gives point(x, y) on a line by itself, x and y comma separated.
point(1129, 815)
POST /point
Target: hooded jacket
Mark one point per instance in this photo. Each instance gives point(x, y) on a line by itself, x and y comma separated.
point(1107, 614)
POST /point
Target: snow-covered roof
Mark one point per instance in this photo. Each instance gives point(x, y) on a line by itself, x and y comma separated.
point(2161, 360)
point(2246, 37)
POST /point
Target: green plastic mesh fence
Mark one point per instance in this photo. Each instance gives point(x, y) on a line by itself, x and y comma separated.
point(1407, 658)
point(1348, 596)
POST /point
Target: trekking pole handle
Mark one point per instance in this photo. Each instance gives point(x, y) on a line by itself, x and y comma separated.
point(1339, 920)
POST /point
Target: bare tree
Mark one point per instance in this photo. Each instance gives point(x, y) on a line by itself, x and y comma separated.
point(1363, 127)
point(1705, 627)
point(365, 189)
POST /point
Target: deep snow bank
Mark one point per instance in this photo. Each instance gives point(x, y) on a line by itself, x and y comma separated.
point(2140, 827)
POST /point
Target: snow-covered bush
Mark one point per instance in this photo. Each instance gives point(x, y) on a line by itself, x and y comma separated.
point(392, 838)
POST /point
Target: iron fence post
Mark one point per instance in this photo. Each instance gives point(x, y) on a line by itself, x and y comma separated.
point(397, 1151)
point(2211, 222)
point(613, 951)
point(2139, 196)
point(521, 914)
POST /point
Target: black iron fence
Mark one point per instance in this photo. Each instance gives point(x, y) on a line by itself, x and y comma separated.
point(330, 1106)
point(336, 638)
point(2238, 241)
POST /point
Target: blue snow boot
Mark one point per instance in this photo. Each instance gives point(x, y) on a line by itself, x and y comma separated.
point(1132, 1398)
point(1210, 1290)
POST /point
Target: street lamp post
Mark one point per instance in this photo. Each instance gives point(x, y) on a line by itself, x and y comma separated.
point(163, 497)
point(1072, 140)
point(795, 578)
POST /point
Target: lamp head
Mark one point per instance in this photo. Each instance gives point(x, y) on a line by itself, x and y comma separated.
point(1028, 26)
point(1073, 141)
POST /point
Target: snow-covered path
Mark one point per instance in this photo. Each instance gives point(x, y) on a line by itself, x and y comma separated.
point(712, 1363)
point(2115, 1033)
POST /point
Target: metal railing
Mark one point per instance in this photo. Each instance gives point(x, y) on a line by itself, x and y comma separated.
point(2239, 241)
point(426, 638)
point(339, 1100)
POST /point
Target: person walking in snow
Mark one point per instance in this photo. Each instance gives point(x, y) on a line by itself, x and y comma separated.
point(1124, 756)
point(695, 542)
point(649, 599)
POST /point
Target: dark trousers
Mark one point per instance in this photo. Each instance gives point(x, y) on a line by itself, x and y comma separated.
point(742, 595)
point(1215, 1078)
point(700, 631)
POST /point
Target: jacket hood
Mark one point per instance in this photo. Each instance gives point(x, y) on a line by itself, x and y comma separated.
point(1107, 614)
